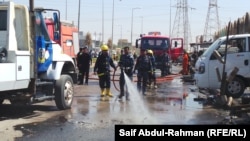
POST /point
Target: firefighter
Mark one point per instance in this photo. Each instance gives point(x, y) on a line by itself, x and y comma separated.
point(79, 65)
point(84, 62)
point(143, 66)
point(185, 63)
point(126, 63)
point(165, 67)
point(102, 69)
point(151, 75)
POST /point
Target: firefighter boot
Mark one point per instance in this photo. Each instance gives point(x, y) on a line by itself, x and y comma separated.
point(121, 95)
point(108, 93)
point(102, 92)
point(155, 86)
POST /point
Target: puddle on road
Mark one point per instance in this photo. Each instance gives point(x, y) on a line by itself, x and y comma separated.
point(171, 102)
point(123, 111)
point(175, 93)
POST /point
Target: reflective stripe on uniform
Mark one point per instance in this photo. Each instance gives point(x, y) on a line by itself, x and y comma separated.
point(100, 74)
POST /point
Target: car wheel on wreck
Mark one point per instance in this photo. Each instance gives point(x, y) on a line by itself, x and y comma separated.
point(235, 88)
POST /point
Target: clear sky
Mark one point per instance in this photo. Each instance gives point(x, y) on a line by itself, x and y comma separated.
point(153, 15)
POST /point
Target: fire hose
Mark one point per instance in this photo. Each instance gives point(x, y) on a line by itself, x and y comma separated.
point(114, 80)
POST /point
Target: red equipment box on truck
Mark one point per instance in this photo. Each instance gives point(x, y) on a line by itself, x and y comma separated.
point(68, 39)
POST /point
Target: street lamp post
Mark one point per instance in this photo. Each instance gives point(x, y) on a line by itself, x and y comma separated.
point(120, 33)
point(112, 35)
point(66, 10)
point(141, 24)
point(120, 30)
point(102, 21)
point(132, 24)
point(79, 9)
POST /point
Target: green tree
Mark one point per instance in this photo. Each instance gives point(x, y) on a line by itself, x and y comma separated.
point(109, 43)
point(88, 40)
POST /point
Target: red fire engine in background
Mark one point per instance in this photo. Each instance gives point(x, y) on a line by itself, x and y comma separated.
point(159, 44)
point(67, 37)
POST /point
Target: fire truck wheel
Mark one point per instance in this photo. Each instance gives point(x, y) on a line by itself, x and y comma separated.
point(64, 92)
point(235, 88)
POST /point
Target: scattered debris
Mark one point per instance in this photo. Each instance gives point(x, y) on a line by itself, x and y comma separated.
point(239, 109)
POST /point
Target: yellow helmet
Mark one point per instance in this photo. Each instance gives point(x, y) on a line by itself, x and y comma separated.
point(150, 51)
point(104, 48)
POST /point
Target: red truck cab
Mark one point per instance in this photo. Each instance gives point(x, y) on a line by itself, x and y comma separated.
point(159, 44)
point(67, 36)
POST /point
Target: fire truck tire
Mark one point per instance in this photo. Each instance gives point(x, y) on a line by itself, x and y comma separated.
point(64, 92)
point(235, 88)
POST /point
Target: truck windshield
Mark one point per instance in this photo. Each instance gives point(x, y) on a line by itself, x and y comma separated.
point(155, 43)
point(3, 21)
point(40, 26)
point(211, 47)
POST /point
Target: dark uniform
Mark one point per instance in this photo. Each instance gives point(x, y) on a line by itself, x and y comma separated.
point(143, 65)
point(78, 64)
point(126, 64)
point(152, 76)
point(102, 67)
point(165, 64)
point(84, 61)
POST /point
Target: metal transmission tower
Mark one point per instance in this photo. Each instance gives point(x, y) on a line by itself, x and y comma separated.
point(181, 27)
point(212, 22)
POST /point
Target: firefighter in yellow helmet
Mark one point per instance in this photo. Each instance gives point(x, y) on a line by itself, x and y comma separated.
point(102, 69)
point(143, 66)
point(151, 74)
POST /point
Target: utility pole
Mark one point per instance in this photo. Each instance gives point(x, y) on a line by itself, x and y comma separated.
point(212, 22)
point(102, 21)
point(112, 36)
point(32, 16)
point(170, 19)
point(79, 9)
point(66, 10)
point(181, 27)
point(132, 17)
point(141, 24)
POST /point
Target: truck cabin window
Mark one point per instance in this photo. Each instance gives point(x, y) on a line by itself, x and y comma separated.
point(40, 26)
point(3, 21)
point(233, 46)
point(156, 44)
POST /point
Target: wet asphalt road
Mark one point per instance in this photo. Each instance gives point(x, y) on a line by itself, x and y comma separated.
point(92, 118)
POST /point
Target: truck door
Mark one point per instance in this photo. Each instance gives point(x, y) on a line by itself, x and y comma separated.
point(76, 42)
point(176, 48)
point(7, 68)
point(22, 49)
point(15, 70)
point(237, 56)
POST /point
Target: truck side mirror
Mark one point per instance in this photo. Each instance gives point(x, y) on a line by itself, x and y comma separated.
point(175, 44)
point(136, 43)
point(56, 21)
point(69, 43)
point(56, 35)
